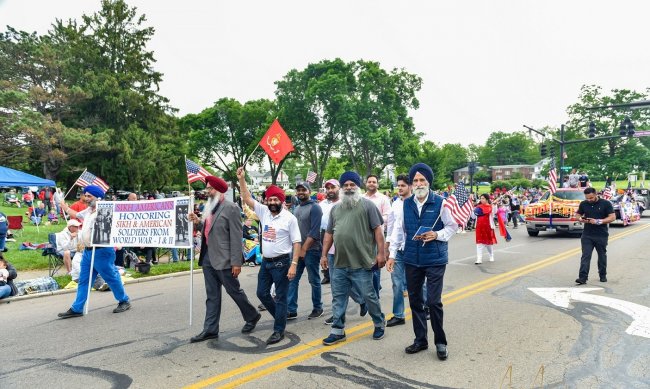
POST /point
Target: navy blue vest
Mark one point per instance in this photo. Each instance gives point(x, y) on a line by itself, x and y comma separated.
point(433, 253)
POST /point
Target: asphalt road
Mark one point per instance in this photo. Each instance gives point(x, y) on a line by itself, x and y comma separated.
point(500, 333)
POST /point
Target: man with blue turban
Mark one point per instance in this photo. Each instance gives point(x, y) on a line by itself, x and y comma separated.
point(104, 263)
point(426, 228)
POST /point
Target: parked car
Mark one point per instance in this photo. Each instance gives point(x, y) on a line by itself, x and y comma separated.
point(557, 215)
point(483, 183)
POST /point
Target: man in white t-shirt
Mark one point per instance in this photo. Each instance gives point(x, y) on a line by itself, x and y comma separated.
point(280, 237)
point(382, 202)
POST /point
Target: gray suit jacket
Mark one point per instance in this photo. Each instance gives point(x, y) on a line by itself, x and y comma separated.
point(224, 240)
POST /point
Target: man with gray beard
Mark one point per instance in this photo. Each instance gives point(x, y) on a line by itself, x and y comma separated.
point(426, 228)
point(221, 258)
point(355, 227)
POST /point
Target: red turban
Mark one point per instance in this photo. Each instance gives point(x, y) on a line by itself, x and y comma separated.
point(275, 191)
point(217, 183)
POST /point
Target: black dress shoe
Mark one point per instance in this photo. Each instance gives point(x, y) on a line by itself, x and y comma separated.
point(580, 281)
point(441, 350)
point(395, 321)
point(250, 325)
point(415, 348)
point(70, 313)
point(203, 336)
point(603, 279)
point(275, 338)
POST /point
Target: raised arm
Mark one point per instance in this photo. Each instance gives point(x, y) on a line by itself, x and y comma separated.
point(243, 188)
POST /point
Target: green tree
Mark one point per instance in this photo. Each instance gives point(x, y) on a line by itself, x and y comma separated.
point(508, 149)
point(617, 156)
point(224, 135)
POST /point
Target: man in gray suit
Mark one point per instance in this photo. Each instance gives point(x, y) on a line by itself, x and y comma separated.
point(221, 258)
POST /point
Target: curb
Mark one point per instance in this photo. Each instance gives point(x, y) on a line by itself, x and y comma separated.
point(128, 281)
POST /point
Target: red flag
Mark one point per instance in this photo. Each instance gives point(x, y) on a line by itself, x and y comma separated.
point(276, 142)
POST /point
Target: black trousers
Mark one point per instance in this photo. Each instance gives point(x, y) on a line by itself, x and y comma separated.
point(214, 280)
point(415, 278)
point(589, 243)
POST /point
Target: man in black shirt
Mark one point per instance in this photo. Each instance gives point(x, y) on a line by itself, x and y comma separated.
point(595, 213)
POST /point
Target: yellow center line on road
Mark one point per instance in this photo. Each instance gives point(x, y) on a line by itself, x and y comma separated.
point(316, 347)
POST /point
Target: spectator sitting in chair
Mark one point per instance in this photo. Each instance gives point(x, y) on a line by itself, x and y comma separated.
point(38, 213)
point(66, 243)
point(28, 198)
point(7, 287)
point(12, 199)
point(52, 217)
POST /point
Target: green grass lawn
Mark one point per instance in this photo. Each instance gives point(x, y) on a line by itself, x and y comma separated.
point(28, 259)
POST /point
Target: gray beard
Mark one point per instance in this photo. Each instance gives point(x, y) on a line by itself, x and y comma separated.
point(421, 193)
point(350, 201)
point(210, 205)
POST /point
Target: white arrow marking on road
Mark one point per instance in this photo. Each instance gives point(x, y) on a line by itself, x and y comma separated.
point(562, 296)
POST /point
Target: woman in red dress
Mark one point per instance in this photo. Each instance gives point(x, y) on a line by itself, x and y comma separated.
point(485, 237)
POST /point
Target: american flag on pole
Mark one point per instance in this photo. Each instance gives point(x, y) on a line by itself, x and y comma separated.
point(459, 204)
point(552, 178)
point(311, 177)
point(195, 172)
point(87, 178)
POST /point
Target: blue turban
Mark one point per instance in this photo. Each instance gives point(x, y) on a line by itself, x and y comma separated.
point(423, 169)
point(95, 191)
point(350, 176)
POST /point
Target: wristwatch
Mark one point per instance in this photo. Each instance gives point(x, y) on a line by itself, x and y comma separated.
point(599, 221)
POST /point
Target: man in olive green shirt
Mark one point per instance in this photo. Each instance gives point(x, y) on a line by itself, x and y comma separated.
point(355, 228)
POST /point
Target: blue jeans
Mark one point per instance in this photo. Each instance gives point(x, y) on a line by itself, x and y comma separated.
point(174, 255)
point(376, 280)
point(355, 295)
point(343, 280)
point(105, 266)
point(399, 285)
point(5, 291)
point(312, 263)
point(274, 273)
point(3, 239)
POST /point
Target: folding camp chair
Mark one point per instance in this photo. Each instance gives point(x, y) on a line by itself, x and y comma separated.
point(55, 261)
point(15, 224)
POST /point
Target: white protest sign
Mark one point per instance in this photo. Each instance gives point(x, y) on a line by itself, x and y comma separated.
point(146, 223)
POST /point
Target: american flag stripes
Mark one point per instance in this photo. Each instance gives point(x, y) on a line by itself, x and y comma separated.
point(195, 172)
point(552, 177)
point(607, 193)
point(87, 178)
point(459, 204)
point(311, 177)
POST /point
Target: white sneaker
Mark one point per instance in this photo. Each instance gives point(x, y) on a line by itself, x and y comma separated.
point(478, 261)
point(491, 259)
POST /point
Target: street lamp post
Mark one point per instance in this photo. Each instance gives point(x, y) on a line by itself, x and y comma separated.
point(471, 167)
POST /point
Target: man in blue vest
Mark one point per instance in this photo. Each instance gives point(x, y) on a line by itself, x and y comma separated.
point(427, 227)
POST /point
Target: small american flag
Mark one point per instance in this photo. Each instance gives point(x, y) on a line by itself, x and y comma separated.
point(87, 178)
point(552, 178)
point(311, 177)
point(607, 193)
point(195, 172)
point(459, 204)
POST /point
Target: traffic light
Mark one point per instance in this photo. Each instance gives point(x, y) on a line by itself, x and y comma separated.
point(627, 127)
point(592, 130)
point(542, 150)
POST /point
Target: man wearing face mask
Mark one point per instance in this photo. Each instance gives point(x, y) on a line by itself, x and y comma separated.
point(104, 263)
point(425, 256)
point(221, 259)
point(279, 237)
